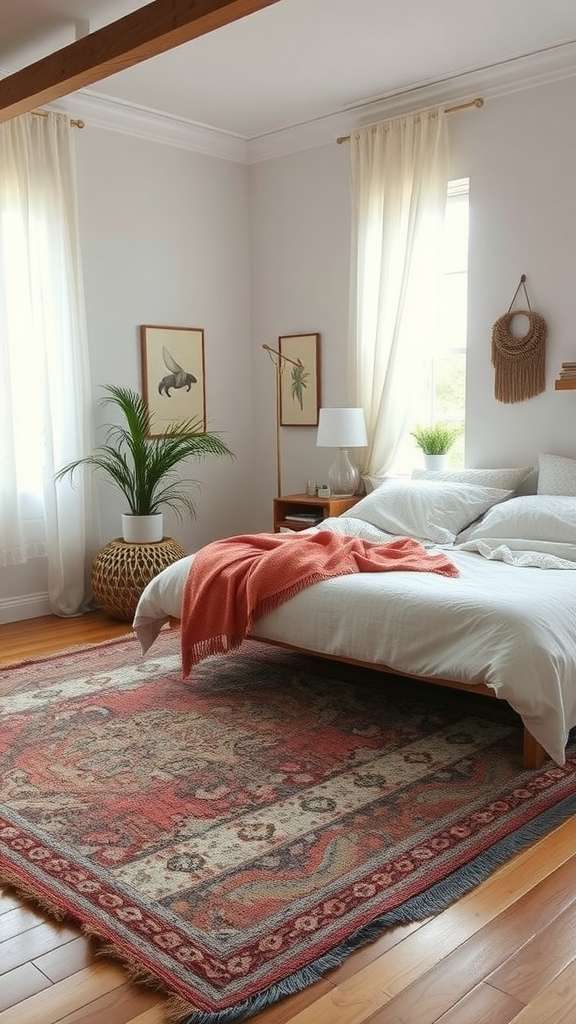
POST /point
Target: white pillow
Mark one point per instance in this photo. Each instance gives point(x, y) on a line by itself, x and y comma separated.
point(425, 509)
point(556, 475)
point(509, 479)
point(529, 517)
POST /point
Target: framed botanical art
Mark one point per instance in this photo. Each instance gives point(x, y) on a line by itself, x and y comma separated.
point(173, 382)
point(299, 379)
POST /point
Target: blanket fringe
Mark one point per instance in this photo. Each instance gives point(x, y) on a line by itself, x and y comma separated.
point(223, 643)
point(214, 645)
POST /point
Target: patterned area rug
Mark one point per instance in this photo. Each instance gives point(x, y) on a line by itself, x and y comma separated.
point(235, 836)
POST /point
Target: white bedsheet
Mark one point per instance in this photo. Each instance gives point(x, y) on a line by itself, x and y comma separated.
point(511, 627)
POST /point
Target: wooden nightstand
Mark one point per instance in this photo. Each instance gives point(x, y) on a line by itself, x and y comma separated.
point(303, 505)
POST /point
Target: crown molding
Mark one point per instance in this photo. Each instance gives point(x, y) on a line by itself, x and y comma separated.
point(115, 115)
point(514, 75)
point(498, 80)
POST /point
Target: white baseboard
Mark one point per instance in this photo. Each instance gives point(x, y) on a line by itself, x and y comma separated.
point(13, 609)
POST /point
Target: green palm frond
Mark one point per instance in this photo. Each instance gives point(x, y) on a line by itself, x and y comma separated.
point(144, 467)
point(298, 383)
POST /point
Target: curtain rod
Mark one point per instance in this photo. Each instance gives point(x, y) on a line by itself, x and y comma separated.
point(478, 102)
point(74, 122)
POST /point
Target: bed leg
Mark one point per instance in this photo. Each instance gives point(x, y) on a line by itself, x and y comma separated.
point(533, 755)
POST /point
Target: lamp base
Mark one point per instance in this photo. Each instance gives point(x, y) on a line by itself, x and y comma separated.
point(343, 476)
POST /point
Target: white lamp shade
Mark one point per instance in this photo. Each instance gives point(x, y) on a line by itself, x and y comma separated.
point(341, 428)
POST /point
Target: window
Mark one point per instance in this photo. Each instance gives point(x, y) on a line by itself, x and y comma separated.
point(443, 393)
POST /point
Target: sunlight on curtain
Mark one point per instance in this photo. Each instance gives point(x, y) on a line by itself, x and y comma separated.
point(45, 396)
point(399, 171)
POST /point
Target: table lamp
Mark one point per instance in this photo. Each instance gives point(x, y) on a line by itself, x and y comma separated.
point(342, 429)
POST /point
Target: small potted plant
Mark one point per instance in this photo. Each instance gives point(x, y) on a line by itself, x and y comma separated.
point(436, 441)
point(143, 467)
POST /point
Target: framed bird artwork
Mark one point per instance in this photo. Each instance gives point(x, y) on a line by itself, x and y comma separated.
point(173, 380)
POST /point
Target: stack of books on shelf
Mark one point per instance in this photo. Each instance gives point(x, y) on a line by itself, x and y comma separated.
point(309, 518)
point(568, 371)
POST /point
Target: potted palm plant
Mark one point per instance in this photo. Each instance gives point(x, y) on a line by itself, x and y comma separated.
point(436, 441)
point(143, 467)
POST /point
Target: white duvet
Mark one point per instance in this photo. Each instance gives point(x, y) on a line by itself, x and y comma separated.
point(510, 626)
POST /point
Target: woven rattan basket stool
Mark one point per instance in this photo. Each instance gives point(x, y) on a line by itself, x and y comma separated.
point(121, 570)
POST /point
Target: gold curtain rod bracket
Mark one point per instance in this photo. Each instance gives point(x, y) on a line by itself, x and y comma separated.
point(478, 102)
point(74, 122)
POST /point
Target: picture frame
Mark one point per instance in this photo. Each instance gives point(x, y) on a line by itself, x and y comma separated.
point(173, 375)
point(299, 379)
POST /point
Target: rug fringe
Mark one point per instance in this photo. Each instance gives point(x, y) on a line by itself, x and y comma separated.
point(27, 893)
point(436, 899)
point(134, 971)
point(428, 904)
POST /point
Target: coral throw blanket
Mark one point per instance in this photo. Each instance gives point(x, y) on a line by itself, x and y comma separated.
point(234, 582)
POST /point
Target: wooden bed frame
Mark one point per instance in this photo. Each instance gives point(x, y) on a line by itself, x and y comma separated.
point(533, 753)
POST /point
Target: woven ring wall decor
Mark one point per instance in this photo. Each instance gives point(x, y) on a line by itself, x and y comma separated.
point(519, 362)
point(519, 347)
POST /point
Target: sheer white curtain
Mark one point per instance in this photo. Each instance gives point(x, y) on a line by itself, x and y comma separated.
point(45, 397)
point(399, 172)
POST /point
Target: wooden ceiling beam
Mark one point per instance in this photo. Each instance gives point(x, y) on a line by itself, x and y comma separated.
point(153, 29)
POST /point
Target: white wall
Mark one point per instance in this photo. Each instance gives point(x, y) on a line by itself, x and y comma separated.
point(300, 242)
point(250, 253)
point(519, 151)
point(165, 240)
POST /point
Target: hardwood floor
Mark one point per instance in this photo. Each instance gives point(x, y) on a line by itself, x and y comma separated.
point(505, 952)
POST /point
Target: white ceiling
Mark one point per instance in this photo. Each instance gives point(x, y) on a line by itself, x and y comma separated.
point(298, 61)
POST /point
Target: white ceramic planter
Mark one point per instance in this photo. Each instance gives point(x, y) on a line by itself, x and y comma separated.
point(142, 529)
point(436, 461)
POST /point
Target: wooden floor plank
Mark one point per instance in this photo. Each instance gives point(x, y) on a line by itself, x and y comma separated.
point(430, 944)
point(56, 1002)
point(20, 984)
point(155, 1015)
point(34, 942)
point(556, 1004)
point(288, 1009)
point(482, 1004)
point(32, 638)
point(63, 961)
point(116, 1007)
point(18, 920)
point(8, 901)
point(540, 960)
point(372, 950)
point(436, 991)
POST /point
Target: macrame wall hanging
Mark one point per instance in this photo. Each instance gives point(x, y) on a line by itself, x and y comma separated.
point(519, 362)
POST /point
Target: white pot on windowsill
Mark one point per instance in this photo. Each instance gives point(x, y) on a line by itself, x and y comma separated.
point(436, 461)
point(142, 529)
